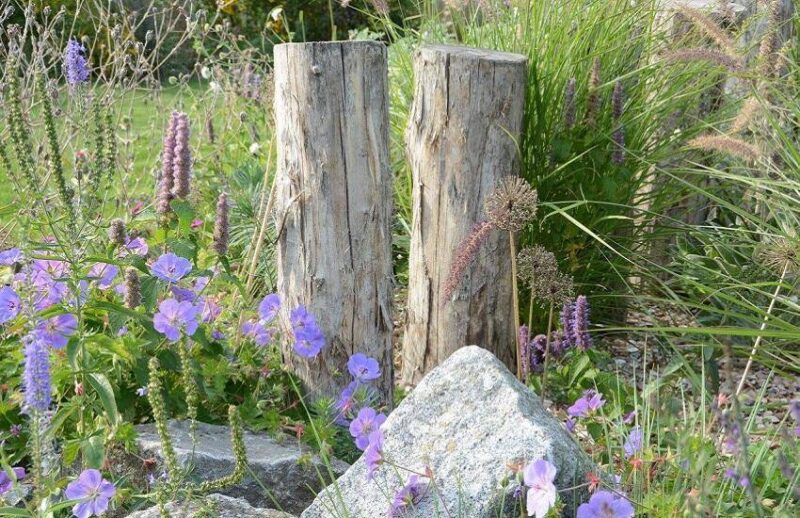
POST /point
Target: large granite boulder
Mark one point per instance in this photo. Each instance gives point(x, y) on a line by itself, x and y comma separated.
point(216, 505)
point(289, 472)
point(468, 420)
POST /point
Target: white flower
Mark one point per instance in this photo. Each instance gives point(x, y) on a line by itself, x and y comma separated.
point(539, 476)
point(254, 148)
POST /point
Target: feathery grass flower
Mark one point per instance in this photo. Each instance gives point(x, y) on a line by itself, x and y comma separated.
point(465, 253)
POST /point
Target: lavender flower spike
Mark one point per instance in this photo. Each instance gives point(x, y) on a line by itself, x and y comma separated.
point(36, 378)
point(167, 166)
point(182, 158)
point(76, 67)
point(580, 324)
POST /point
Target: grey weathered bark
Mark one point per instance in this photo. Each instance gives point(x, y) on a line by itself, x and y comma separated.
point(333, 204)
point(462, 128)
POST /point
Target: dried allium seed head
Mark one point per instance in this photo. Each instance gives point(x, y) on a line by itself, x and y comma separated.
point(593, 100)
point(221, 226)
point(780, 253)
point(558, 290)
point(536, 265)
point(116, 232)
point(569, 104)
point(512, 204)
point(133, 292)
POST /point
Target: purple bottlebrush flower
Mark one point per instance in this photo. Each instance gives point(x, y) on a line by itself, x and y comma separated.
point(261, 335)
point(182, 157)
point(523, 338)
point(366, 422)
point(580, 322)
point(633, 444)
point(36, 378)
point(407, 496)
point(541, 496)
point(10, 304)
point(76, 67)
point(363, 368)
point(221, 226)
point(55, 331)
point(170, 267)
point(104, 274)
point(6, 482)
point(568, 322)
point(373, 455)
point(269, 307)
point(586, 404)
point(167, 181)
point(93, 493)
point(536, 350)
point(605, 504)
point(558, 343)
point(174, 317)
point(11, 256)
point(135, 246)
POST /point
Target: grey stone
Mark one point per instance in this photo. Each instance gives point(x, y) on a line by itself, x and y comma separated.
point(215, 505)
point(290, 472)
point(468, 420)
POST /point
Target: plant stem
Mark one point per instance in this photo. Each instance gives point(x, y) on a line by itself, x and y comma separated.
point(515, 301)
point(763, 326)
point(547, 350)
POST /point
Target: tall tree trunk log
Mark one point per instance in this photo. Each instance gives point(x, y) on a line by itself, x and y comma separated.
point(461, 139)
point(334, 205)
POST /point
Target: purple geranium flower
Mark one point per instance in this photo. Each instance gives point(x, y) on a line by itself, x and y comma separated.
point(55, 331)
point(170, 267)
point(174, 317)
point(182, 294)
point(6, 482)
point(11, 256)
point(260, 334)
point(269, 307)
point(137, 246)
point(373, 455)
point(586, 404)
point(93, 493)
point(363, 368)
point(50, 294)
point(104, 274)
point(633, 444)
point(209, 309)
point(10, 304)
point(570, 424)
point(303, 322)
point(76, 67)
point(541, 496)
point(407, 496)
point(366, 422)
point(605, 504)
point(309, 339)
point(346, 400)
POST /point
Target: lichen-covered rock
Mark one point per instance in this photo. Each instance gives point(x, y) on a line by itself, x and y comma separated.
point(289, 471)
point(467, 420)
point(216, 506)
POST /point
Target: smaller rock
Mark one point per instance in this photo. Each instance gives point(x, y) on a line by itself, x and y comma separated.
point(215, 505)
point(289, 471)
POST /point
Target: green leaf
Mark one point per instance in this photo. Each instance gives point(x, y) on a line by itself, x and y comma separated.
point(14, 511)
point(93, 452)
point(103, 388)
point(185, 213)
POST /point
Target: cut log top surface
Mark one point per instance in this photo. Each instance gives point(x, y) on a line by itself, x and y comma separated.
point(473, 53)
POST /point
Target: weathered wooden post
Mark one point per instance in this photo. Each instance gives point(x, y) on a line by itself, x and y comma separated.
point(333, 204)
point(466, 116)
